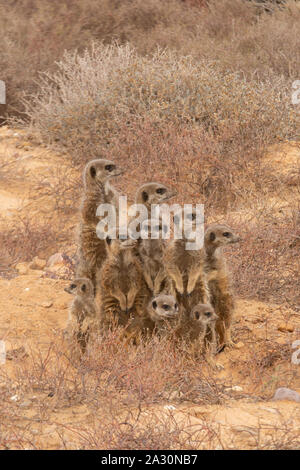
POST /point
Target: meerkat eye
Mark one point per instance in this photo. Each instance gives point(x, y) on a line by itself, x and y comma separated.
point(161, 190)
point(212, 236)
point(145, 196)
point(108, 240)
point(93, 171)
point(227, 234)
point(83, 287)
point(166, 307)
point(176, 306)
point(197, 315)
point(207, 314)
point(110, 167)
point(73, 286)
point(154, 304)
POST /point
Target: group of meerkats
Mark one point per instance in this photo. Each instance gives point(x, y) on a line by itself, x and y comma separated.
point(148, 286)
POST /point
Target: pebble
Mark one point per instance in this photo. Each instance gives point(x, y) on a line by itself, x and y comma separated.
point(47, 304)
point(284, 393)
point(286, 327)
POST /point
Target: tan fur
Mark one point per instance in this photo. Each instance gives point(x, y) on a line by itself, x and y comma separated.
point(122, 287)
point(83, 317)
point(186, 270)
point(153, 193)
point(151, 251)
point(219, 284)
point(97, 190)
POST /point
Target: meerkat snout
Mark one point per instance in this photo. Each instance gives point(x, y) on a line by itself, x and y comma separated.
point(203, 313)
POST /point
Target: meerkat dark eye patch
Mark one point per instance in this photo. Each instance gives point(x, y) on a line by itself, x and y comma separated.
point(93, 171)
point(176, 306)
point(145, 196)
point(161, 191)
point(197, 315)
point(154, 304)
point(108, 240)
point(227, 234)
point(207, 314)
point(212, 236)
point(166, 307)
point(83, 287)
point(73, 286)
point(110, 167)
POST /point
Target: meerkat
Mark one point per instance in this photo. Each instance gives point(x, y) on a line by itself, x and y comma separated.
point(83, 314)
point(151, 251)
point(222, 299)
point(153, 193)
point(122, 286)
point(202, 331)
point(185, 267)
point(97, 190)
point(163, 310)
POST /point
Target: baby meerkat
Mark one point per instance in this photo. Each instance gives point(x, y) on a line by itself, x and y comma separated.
point(202, 331)
point(151, 250)
point(185, 267)
point(153, 193)
point(122, 285)
point(97, 190)
point(82, 315)
point(217, 236)
point(163, 309)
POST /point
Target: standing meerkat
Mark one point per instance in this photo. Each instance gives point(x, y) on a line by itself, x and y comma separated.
point(186, 267)
point(97, 190)
point(83, 314)
point(163, 310)
point(151, 251)
point(122, 286)
point(222, 299)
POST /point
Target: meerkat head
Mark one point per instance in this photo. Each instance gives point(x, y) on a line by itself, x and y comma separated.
point(153, 193)
point(163, 307)
point(203, 314)
point(81, 286)
point(219, 235)
point(99, 171)
point(188, 220)
point(153, 229)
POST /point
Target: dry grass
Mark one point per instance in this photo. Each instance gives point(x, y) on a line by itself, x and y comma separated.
point(239, 34)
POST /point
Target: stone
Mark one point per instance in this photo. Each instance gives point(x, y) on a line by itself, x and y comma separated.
point(55, 259)
point(286, 327)
point(284, 393)
point(47, 304)
point(37, 263)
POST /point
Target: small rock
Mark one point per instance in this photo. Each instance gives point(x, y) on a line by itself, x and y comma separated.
point(236, 388)
point(47, 304)
point(37, 263)
point(25, 404)
point(286, 327)
point(22, 268)
point(286, 394)
point(14, 398)
point(57, 258)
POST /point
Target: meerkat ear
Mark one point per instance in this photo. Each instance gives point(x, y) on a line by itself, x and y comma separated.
point(93, 171)
point(154, 304)
point(83, 287)
point(108, 240)
point(212, 236)
point(145, 196)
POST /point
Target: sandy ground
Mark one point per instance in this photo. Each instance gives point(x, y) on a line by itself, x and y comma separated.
point(34, 309)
